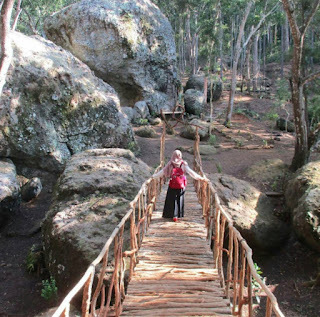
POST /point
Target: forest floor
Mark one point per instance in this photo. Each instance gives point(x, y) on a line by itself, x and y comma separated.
point(288, 268)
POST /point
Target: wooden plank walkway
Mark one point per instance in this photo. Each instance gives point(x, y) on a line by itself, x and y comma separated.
point(175, 274)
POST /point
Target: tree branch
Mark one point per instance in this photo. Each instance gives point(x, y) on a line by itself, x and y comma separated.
point(309, 18)
point(310, 77)
point(259, 25)
point(16, 18)
point(6, 48)
point(295, 31)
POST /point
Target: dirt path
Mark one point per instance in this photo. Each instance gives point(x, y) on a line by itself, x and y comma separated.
point(289, 268)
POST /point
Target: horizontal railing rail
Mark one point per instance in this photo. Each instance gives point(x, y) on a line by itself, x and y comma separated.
point(240, 268)
point(109, 290)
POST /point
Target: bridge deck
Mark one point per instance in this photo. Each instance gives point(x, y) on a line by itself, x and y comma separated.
point(175, 274)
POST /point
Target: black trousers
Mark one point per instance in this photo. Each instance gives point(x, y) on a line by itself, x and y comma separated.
point(174, 204)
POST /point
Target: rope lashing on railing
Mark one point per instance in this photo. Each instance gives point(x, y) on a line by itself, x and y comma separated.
point(143, 204)
point(240, 266)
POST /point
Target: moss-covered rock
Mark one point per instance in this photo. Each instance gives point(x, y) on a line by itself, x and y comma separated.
point(53, 106)
point(91, 197)
point(146, 132)
point(9, 190)
point(251, 211)
point(129, 44)
point(302, 196)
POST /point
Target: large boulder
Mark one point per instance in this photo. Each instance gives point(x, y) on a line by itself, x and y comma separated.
point(251, 211)
point(194, 102)
point(285, 125)
point(189, 130)
point(129, 44)
point(302, 194)
point(31, 189)
point(53, 106)
point(197, 82)
point(9, 189)
point(91, 197)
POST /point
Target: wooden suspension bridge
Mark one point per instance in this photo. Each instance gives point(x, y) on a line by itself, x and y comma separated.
point(198, 266)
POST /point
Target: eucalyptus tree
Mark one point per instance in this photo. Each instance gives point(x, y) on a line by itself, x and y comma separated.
point(6, 47)
point(34, 13)
point(300, 15)
point(262, 11)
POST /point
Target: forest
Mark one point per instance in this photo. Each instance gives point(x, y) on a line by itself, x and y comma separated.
point(240, 37)
point(265, 56)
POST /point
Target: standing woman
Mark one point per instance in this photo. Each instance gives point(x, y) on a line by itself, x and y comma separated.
point(176, 169)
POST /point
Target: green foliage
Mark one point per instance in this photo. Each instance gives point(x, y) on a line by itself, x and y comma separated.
point(255, 285)
point(283, 93)
point(143, 121)
point(248, 112)
point(212, 140)
point(35, 12)
point(314, 110)
point(272, 116)
point(239, 143)
point(133, 147)
point(219, 167)
point(33, 259)
point(49, 289)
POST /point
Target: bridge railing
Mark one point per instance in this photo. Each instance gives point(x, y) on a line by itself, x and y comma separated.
point(240, 270)
point(106, 296)
point(109, 289)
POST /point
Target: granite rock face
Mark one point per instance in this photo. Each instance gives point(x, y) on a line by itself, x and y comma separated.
point(251, 211)
point(129, 44)
point(302, 194)
point(91, 197)
point(54, 106)
point(9, 189)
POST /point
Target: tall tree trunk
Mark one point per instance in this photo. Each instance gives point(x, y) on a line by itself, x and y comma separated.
point(301, 154)
point(286, 35)
point(235, 64)
point(16, 18)
point(264, 62)
point(255, 64)
point(232, 44)
point(248, 68)
point(282, 50)
point(6, 47)
point(220, 40)
point(188, 39)
point(237, 54)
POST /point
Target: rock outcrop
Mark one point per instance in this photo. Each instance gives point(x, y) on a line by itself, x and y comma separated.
point(302, 194)
point(31, 189)
point(251, 211)
point(129, 44)
point(194, 102)
point(197, 82)
point(91, 197)
point(53, 106)
point(9, 189)
point(189, 131)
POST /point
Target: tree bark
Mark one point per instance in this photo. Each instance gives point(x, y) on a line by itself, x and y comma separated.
point(286, 35)
point(220, 40)
point(282, 50)
point(16, 18)
point(237, 52)
point(248, 68)
point(6, 48)
point(301, 154)
point(255, 64)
